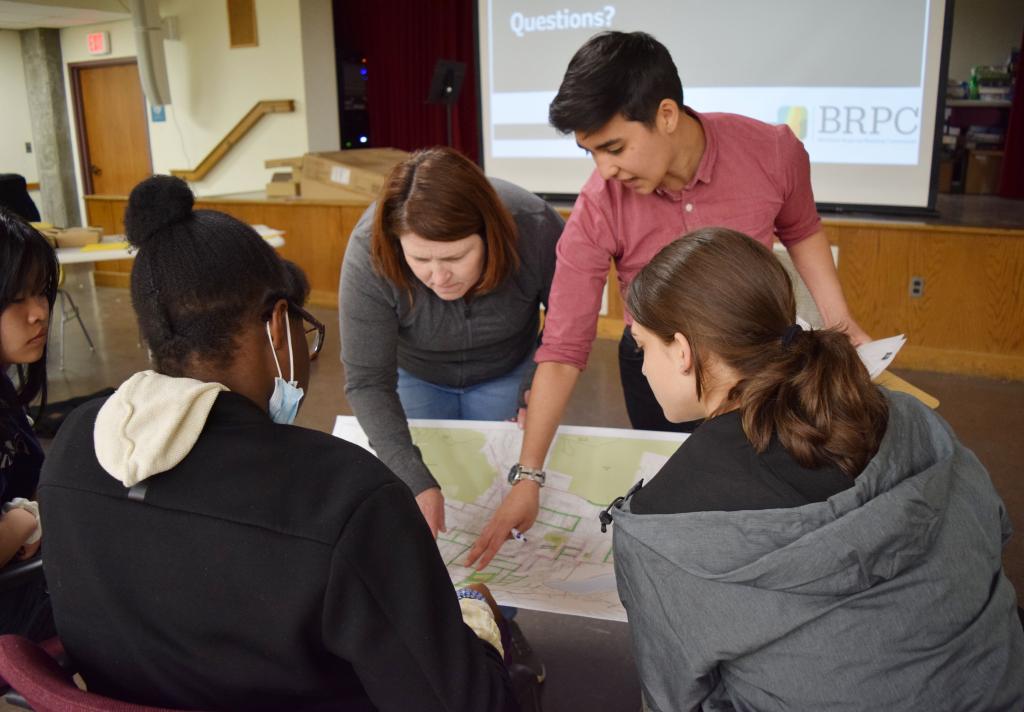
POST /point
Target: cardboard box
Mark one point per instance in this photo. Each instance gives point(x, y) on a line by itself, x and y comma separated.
point(315, 190)
point(362, 171)
point(294, 163)
point(983, 169)
point(78, 236)
point(283, 185)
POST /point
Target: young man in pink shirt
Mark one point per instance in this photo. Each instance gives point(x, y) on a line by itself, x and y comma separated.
point(663, 170)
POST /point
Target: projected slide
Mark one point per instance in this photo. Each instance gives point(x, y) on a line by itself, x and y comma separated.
point(856, 81)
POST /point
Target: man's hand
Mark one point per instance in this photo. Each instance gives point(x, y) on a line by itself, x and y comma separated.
point(519, 510)
point(431, 504)
point(856, 334)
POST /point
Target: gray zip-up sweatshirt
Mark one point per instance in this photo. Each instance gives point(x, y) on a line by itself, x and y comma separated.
point(890, 595)
point(452, 343)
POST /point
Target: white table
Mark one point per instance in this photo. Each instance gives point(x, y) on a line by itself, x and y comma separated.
point(80, 255)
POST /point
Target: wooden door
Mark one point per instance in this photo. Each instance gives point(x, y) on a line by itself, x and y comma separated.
point(113, 134)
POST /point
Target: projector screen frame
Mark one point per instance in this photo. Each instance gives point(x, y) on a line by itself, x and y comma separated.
point(928, 211)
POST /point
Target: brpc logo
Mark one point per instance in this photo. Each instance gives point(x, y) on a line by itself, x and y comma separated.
point(796, 118)
point(868, 120)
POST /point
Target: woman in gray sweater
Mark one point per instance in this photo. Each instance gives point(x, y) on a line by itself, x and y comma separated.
point(439, 304)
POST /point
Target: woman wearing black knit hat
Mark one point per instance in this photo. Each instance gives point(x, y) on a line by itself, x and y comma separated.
point(205, 554)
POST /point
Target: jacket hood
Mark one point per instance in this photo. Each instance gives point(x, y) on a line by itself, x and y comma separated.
point(870, 532)
point(150, 424)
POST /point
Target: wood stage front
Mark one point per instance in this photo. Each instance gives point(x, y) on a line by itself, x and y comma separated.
point(969, 317)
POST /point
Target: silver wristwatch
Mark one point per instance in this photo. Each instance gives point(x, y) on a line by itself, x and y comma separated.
point(519, 472)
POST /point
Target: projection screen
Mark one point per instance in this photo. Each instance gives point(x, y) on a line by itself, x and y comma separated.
point(858, 82)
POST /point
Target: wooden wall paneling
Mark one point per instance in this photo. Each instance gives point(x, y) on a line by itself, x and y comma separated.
point(312, 243)
point(315, 237)
point(1004, 273)
point(98, 213)
point(871, 287)
point(109, 214)
point(950, 312)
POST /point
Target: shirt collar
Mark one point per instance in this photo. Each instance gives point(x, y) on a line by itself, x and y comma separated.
point(707, 160)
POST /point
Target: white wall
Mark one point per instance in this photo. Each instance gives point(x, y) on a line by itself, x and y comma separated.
point(15, 121)
point(212, 88)
point(983, 33)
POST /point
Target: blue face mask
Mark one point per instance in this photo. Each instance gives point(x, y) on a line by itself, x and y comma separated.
point(284, 401)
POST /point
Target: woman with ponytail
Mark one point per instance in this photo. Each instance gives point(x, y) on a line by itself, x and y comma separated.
point(817, 543)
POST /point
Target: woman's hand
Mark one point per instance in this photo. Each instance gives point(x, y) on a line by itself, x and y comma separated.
point(519, 511)
point(431, 504)
point(17, 526)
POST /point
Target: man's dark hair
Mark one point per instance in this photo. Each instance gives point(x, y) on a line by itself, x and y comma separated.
point(627, 73)
point(198, 275)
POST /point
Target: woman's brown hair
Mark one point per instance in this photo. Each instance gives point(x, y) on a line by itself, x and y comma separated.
point(732, 300)
point(439, 194)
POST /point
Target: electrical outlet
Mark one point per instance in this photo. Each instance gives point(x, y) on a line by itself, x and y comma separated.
point(916, 287)
point(28, 147)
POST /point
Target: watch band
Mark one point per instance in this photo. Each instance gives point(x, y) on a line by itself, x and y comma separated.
point(521, 472)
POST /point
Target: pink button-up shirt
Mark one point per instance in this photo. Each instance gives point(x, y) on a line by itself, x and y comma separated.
point(753, 177)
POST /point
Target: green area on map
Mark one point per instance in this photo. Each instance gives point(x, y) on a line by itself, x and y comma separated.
point(603, 468)
point(455, 457)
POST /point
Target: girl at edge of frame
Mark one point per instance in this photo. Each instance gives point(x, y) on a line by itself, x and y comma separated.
point(439, 302)
point(29, 274)
point(816, 531)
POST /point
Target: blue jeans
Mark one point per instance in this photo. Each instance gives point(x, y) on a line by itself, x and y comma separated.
point(496, 399)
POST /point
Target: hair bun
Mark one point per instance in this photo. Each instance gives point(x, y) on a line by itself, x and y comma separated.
point(156, 203)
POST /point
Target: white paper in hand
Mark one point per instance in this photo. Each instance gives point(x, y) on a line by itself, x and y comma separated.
point(877, 355)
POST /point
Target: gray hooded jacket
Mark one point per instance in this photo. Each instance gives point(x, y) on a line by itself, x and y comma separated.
point(888, 596)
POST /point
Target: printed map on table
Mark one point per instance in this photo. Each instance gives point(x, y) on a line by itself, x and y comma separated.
point(565, 566)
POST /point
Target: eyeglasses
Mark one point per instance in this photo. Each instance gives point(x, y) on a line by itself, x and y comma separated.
point(314, 330)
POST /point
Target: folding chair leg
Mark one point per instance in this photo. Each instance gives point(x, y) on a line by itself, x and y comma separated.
point(67, 313)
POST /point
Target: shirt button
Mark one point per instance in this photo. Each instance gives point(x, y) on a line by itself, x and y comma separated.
point(689, 207)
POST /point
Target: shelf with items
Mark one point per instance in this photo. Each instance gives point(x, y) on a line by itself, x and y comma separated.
point(972, 145)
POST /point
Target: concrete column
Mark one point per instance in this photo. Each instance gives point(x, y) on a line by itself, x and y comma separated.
point(51, 132)
point(323, 124)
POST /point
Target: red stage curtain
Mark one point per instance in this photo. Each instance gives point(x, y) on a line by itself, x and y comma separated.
point(1011, 179)
point(401, 41)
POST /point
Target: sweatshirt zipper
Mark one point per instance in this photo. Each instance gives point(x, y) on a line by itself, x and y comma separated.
point(466, 313)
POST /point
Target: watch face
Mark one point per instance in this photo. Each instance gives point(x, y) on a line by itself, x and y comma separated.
point(512, 474)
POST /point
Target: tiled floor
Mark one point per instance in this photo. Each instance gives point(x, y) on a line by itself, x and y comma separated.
point(589, 662)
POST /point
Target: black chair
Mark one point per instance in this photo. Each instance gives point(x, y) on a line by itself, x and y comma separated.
point(14, 196)
point(18, 573)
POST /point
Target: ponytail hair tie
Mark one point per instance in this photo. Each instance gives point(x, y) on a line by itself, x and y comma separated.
point(789, 334)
